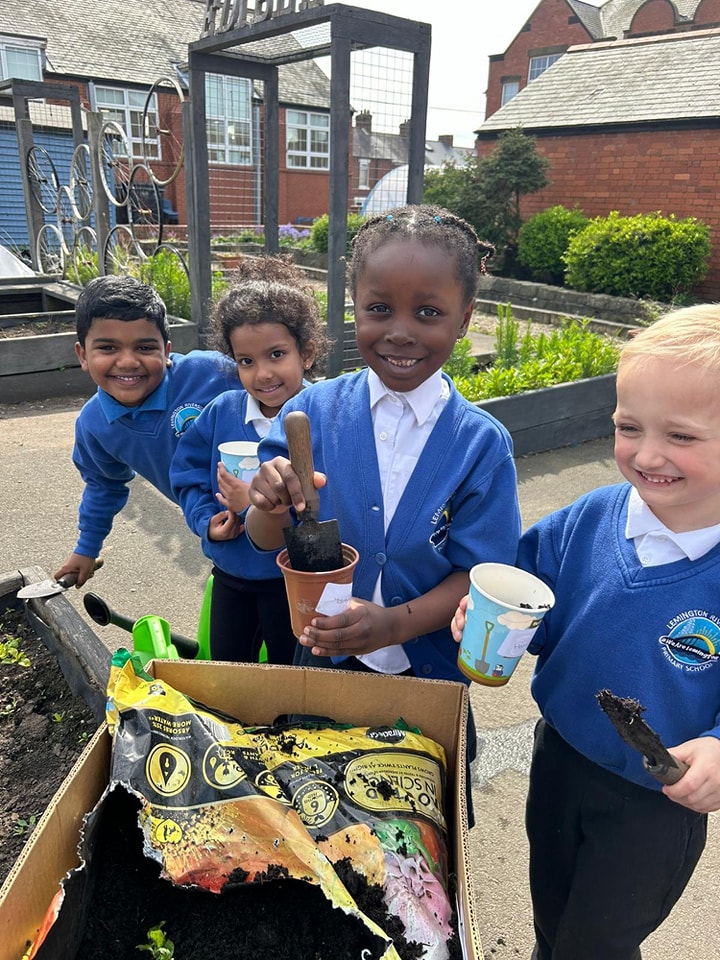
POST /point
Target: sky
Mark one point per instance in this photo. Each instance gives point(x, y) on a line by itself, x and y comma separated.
point(464, 34)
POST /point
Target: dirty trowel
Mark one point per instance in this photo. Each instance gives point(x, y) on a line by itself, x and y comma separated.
point(51, 587)
point(625, 716)
point(312, 546)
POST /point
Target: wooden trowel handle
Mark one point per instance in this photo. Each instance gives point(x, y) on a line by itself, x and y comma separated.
point(297, 431)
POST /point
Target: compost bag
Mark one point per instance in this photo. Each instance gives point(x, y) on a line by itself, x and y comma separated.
point(223, 804)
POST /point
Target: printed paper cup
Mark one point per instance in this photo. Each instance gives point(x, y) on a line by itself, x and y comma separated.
point(240, 458)
point(504, 609)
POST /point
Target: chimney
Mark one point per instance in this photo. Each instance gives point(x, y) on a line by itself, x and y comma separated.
point(363, 121)
point(405, 129)
point(446, 139)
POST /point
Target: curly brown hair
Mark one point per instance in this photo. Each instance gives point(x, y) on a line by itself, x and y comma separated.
point(271, 289)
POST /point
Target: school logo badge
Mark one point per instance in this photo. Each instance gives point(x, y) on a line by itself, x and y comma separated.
point(692, 642)
point(183, 416)
point(441, 520)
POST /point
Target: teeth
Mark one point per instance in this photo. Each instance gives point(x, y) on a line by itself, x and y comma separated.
point(659, 480)
point(401, 363)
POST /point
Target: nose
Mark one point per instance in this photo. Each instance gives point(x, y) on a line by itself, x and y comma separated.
point(650, 454)
point(263, 372)
point(127, 359)
point(400, 331)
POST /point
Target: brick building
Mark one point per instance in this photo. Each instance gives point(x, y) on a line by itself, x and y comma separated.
point(626, 114)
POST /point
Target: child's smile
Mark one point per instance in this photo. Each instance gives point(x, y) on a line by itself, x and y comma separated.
point(269, 363)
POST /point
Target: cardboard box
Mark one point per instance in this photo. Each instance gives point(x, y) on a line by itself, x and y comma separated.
point(259, 694)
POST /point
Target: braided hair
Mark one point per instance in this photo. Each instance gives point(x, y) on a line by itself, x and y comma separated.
point(271, 289)
point(433, 227)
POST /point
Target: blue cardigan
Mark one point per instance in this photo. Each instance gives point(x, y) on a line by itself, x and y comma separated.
point(459, 507)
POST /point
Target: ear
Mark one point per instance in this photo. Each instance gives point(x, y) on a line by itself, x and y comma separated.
point(308, 356)
point(80, 354)
point(168, 348)
point(467, 314)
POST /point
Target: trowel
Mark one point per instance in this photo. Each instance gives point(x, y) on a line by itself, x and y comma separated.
point(625, 716)
point(50, 587)
point(312, 546)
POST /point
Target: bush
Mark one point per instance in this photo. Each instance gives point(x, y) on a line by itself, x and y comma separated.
point(647, 255)
point(543, 240)
point(319, 231)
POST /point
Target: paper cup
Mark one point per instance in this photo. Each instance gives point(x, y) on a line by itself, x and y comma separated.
point(240, 458)
point(310, 594)
point(504, 609)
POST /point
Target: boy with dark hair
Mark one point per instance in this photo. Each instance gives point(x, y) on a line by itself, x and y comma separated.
point(146, 398)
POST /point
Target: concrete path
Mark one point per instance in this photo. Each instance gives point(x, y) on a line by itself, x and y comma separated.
point(153, 564)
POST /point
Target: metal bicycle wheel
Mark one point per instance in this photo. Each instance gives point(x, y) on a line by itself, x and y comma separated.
point(84, 258)
point(43, 178)
point(145, 208)
point(50, 250)
point(171, 248)
point(121, 251)
point(115, 156)
point(162, 139)
point(81, 182)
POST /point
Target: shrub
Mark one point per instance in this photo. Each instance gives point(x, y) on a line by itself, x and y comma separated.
point(164, 271)
point(647, 255)
point(543, 240)
point(319, 231)
point(571, 352)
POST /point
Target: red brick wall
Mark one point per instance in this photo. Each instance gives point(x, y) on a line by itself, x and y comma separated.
point(670, 171)
point(549, 28)
point(657, 16)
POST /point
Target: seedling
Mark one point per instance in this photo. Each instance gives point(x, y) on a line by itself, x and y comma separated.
point(58, 717)
point(24, 826)
point(8, 709)
point(10, 652)
point(159, 944)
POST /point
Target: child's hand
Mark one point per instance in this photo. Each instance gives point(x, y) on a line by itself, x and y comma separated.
point(457, 624)
point(276, 486)
point(76, 563)
point(361, 628)
point(233, 493)
point(225, 526)
point(699, 788)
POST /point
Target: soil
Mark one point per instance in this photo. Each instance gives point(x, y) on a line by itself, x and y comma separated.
point(43, 730)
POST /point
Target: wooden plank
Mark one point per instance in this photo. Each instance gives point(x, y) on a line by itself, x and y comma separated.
point(82, 657)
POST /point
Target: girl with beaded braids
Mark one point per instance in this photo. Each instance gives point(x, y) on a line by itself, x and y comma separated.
point(269, 323)
point(422, 482)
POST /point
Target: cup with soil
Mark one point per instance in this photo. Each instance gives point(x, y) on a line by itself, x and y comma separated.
point(505, 607)
point(325, 593)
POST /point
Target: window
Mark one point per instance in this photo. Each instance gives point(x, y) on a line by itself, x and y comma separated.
point(20, 60)
point(510, 89)
point(308, 140)
point(229, 126)
point(539, 65)
point(126, 108)
point(363, 174)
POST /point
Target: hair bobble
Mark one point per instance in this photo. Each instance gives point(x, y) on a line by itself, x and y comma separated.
point(437, 219)
point(389, 217)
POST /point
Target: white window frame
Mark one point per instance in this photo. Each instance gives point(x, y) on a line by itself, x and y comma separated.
point(230, 136)
point(314, 129)
point(127, 110)
point(538, 65)
point(19, 45)
point(364, 173)
point(510, 89)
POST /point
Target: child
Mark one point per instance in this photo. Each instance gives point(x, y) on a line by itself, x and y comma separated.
point(422, 481)
point(146, 398)
point(270, 324)
point(635, 569)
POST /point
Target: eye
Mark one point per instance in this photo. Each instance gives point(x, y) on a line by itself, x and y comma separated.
point(626, 428)
point(378, 308)
point(681, 438)
point(277, 354)
point(148, 348)
point(243, 361)
point(428, 312)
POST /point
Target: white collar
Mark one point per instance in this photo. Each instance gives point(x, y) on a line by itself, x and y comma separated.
point(421, 400)
point(253, 411)
point(641, 521)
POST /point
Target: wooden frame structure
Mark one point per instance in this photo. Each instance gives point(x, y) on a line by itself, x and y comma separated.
point(255, 51)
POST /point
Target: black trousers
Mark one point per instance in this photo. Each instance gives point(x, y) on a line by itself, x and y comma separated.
point(243, 613)
point(608, 859)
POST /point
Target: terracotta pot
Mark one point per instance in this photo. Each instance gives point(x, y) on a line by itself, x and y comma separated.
point(304, 589)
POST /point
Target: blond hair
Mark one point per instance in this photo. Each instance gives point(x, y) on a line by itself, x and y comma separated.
point(690, 335)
